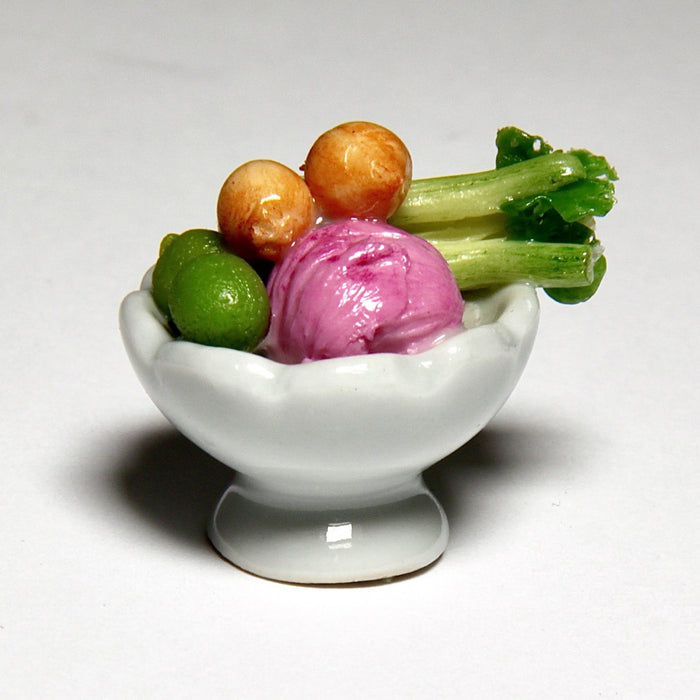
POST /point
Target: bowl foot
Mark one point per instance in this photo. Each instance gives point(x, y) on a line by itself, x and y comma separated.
point(338, 545)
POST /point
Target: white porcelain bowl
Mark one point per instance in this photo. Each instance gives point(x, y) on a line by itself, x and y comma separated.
point(328, 455)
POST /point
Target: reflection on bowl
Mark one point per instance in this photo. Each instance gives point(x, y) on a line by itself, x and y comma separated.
point(328, 455)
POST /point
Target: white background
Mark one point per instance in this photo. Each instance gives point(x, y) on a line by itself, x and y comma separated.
point(572, 568)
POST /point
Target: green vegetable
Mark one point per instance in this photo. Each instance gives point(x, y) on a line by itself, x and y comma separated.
point(575, 295)
point(456, 197)
point(530, 219)
point(497, 261)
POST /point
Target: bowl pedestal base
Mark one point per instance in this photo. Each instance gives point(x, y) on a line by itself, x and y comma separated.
point(405, 531)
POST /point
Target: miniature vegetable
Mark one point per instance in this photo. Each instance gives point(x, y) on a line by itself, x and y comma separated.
point(529, 219)
point(263, 206)
point(358, 169)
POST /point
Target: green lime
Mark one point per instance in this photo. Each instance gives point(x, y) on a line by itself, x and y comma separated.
point(166, 241)
point(220, 300)
point(175, 251)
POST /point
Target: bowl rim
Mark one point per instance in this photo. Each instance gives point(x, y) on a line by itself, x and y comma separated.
point(508, 315)
point(224, 400)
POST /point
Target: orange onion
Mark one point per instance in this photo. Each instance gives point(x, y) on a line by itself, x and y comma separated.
point(263, 207)
point(358, 169)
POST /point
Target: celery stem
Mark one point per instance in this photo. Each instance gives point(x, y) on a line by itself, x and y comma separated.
point(490, 262)
point(457, 197)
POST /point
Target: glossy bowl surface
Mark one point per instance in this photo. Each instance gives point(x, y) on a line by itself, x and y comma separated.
point(328, 455)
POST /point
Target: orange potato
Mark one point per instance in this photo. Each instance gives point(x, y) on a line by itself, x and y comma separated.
point(358, 169)
point(263, 207)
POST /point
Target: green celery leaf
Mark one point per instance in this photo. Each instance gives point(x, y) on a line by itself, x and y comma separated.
point(548, 227)
point(556, 216)
point(515, 145)
point(594, 197)
point(596, 166)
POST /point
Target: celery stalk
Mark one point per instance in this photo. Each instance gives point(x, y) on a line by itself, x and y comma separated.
point(496, 261)
point(457, 197)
